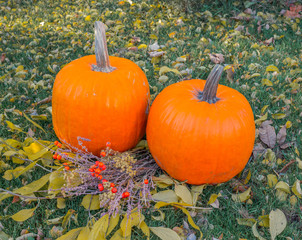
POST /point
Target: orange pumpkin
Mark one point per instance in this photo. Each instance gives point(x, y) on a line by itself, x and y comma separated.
point(201, 132)
point(98, 99)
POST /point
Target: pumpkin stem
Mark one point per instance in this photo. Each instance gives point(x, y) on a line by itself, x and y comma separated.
point(101, 51)
point(210, 89)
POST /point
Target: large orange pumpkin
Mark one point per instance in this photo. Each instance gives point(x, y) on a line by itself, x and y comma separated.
point(201, 132)
point(98, 99)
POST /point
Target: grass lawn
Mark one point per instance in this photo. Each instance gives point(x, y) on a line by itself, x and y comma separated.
point(260, 40)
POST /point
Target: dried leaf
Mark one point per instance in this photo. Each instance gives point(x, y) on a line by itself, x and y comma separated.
point(246, 221)
point(258, 150)
point(296, 189)
point(184, 194)
point(277, 223)
point(267, 135)
point(14, 127)
point(165, 233)
point(91, 202)
point(98, 231)
point(154, 46)
point(161, 216)
point(166, 69)
point(156, 54)
point(118, 235)
point(283, 186)
point(113, 221)
point(165, 196)
point(263, 221)
point(261, 119)
point(272, 180)
point(145, 229)
point(299, 162)
point(34, 123)
point(217, 58)
point(71, 234)
point(61, 203)
point(162, 181)
point(11, 174)
point(266, 82)
point(213, 201)
point(163, 79)
point(242, 197)
point(278, 115)
point(281, 136)
point(24, 214)
point(84, 234)
point(256, 233)
point(282, 191)
point(67, 218)
point(33, 186)
point(128, 222)
point(56, 182)
point(184, 210)
point(271, 68)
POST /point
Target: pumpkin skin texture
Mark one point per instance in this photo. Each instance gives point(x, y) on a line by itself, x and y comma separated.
point(99, 106)
point(196, 141)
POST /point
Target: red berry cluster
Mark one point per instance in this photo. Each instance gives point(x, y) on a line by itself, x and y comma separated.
point(107, 184)
point(97, 169)
point(58, 144)
point(56, 156)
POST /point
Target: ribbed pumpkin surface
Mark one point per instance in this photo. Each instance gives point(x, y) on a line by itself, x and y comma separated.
point(197, 141)
point(100, 106)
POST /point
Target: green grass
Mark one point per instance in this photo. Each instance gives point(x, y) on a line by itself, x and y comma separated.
point(38, 34)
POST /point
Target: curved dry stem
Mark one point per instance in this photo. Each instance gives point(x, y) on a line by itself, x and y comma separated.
point(101, 51)
point(210, 89)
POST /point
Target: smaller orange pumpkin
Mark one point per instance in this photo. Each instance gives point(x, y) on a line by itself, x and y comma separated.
point(201, 132)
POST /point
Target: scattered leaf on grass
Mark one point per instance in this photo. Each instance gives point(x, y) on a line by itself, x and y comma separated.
point(272, 180)
point(271, 68)
point(161, 216)
point(263, 221)
point(282, 191)
point(14, 127)
point(84, 234)
point(217, 58)
point(213, 201)
point(61, 203)
point(33, 186)
point(267, 135)
point(184, 193)
point(256, 233)
point(165, 196)
point(71, 234)
point(113, 221)
point(246, 221)
point(134, 219)
point(165, 233)
point(277, 223)
point(296, 189)
point(278, 115)
point(67, 217)
point(299, 162)
point(91, 202)
point(145, 229)
point(163, 181)
point(166, 69)
point(24, 214)
point(281, 136)
point(99, 229)
point(242, 197)
point(33, 122)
